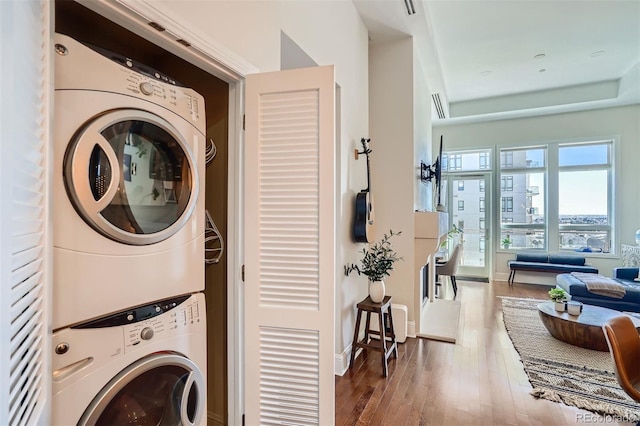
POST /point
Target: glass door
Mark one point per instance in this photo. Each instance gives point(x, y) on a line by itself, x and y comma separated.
point(468, 205)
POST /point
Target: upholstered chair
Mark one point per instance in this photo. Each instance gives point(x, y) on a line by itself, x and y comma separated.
point(450, 267)
point(624, 346)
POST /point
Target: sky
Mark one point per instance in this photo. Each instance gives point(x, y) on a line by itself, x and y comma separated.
point(581, 192)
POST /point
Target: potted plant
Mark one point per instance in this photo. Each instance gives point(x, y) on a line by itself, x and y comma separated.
point(506, 242)
point(451, 234)
point(559, 297)
point(377, 261)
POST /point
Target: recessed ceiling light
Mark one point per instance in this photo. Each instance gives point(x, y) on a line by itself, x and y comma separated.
point(542, 70)
point(539, 56)
point(485, 73)
point(597, 53)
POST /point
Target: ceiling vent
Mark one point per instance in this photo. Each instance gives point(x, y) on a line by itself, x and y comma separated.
point(411, 9)
point(437, 103)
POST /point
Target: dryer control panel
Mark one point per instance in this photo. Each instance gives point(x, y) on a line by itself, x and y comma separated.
point(114, 73)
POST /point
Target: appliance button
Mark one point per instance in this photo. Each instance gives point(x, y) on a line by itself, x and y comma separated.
point(130, 317)
point(146, 333)
point(146, 88)
point(62, 348)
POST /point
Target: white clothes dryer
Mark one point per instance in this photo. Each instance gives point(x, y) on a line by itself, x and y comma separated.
point(128, 184)
point(140, 366)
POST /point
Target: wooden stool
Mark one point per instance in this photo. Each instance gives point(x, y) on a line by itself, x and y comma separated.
point(385, 348)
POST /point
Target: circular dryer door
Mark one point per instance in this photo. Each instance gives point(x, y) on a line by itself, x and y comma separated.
point(131, 176)
point(162, 389)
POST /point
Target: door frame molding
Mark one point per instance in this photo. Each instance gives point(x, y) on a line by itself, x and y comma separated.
point(487, 175)
point(222, 63)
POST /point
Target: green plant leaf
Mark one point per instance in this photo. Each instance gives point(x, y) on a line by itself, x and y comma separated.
point(377, 261)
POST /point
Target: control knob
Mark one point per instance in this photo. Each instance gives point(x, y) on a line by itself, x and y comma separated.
point(146, 333)
point(146, 88)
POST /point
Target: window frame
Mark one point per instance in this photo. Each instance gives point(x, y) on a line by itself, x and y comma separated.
point(551, 187)
point(608, 167)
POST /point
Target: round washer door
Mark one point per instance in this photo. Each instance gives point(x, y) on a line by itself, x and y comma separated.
point(131, 176)
point(161, 389)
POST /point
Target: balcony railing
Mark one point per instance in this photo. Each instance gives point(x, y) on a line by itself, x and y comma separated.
point(533, 190)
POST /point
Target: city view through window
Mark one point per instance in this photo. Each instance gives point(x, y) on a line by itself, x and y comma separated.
point(549, 197)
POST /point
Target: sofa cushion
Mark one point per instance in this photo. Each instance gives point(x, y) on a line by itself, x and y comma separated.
point(566, 259)
point(628, 274)
point(578, 291)
point(532, 257)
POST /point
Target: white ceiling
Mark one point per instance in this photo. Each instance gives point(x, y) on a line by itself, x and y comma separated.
point(480, 56)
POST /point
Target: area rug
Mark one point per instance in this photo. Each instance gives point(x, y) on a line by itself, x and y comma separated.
point(562, 372)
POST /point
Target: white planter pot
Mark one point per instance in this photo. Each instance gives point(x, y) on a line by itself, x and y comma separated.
point(561, 306)
point(376, 291)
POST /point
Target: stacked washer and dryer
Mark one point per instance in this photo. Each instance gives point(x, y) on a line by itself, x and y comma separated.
point(129, 326)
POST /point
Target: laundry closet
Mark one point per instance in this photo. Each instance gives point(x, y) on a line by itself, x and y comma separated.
point(76, 21)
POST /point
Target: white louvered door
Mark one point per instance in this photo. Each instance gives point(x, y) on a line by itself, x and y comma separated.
point(289, 247)
point(24, 132)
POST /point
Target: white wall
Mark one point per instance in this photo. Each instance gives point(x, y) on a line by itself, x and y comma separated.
point(329, 32)
point(391, 123)
point(399, 116)
point(620, 122)
point(422, 142)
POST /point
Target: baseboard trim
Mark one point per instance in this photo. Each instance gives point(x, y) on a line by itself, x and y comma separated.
point(411, 329)
point(341, 364)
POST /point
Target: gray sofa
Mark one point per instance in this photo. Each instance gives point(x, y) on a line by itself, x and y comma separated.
point(625, 276)
point(543, 262)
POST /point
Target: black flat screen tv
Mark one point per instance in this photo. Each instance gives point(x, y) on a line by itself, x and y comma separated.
point(438, 171)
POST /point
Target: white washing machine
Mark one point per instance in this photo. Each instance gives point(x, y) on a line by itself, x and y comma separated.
point(140, 366)
point(128, 185)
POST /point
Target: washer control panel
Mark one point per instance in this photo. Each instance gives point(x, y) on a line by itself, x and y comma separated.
point(135, 315)
point(164, 325)
point(177, 320)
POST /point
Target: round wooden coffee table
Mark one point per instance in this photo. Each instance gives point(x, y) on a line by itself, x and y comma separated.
point(584, 330)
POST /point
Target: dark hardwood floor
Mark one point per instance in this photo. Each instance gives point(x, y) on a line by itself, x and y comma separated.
point(477, 381)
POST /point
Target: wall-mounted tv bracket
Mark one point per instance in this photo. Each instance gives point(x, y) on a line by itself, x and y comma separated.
point(428, 172)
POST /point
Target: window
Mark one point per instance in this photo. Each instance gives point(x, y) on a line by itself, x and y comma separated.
point(481, 205)
point(466, 160)
point(507, 204)
point(581, 175)
point(484, 160)
point(461, 225)
point(506, 183)
point(460, 204)
point(522, 179)
point(584, 186)
point(481, 223)
point(455, 161)
point(482, 243)
point(481, 187)
point(506, 159)
point(460, 185)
